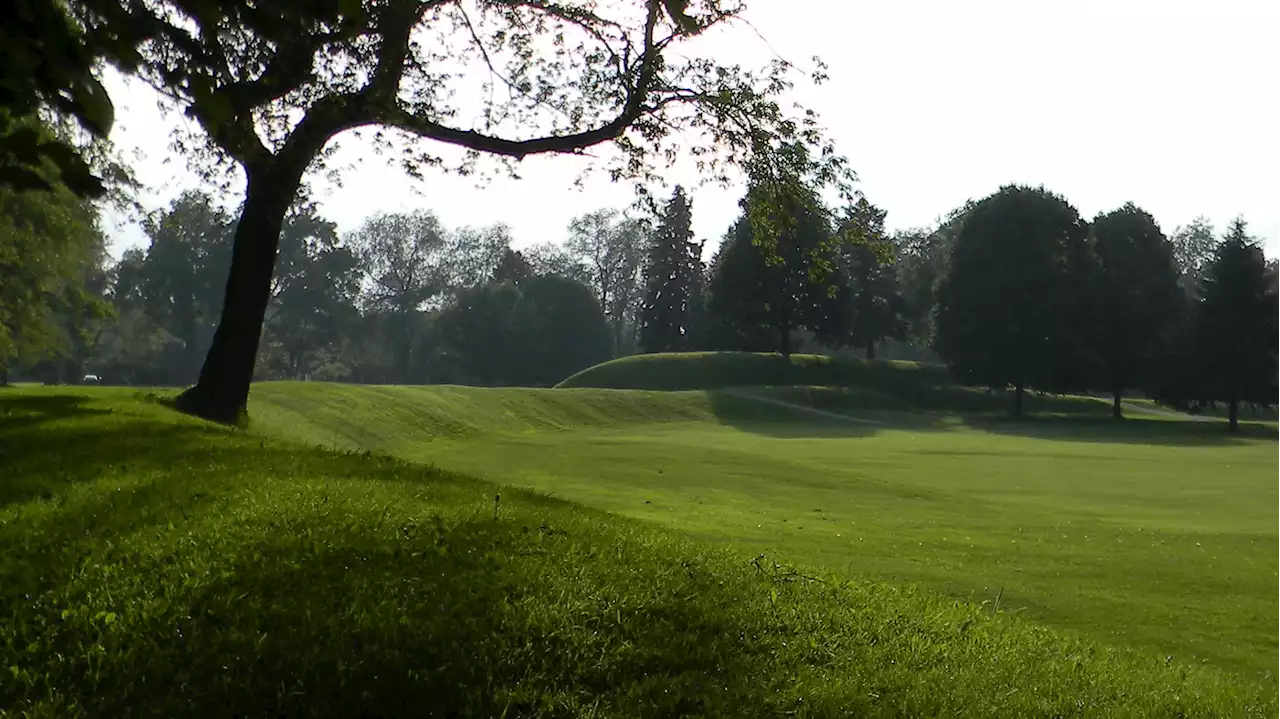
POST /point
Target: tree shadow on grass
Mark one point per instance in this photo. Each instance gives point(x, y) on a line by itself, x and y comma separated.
point(1132, 430)
point(25, 412)
point(42, 461)
point(481, 618)
point(821, 412)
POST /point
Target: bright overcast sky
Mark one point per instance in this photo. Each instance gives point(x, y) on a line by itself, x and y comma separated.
point(1170, 104)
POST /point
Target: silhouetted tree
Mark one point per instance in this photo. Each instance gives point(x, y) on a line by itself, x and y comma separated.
point(1138, 297)
point(753, 295)
point(1006, 302)
point(1238, 324)
point(866, 261)
point(672, 278)
point(532, 333)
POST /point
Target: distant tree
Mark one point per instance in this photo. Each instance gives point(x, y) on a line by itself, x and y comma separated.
point(1237, 322)
point(922, 257)
point(1194, 247)
point(866, 261)
point(314, 292)
point(672, 278)
point(402, 255)
point(181, 275)
point(532, 333)
point(554, 259)
point(1005, 302)
point(477, 336)
point(50, 246)
point(561, 330)
point(1138, 297)
point(471, 253)
point(612, 248)
point(513, 266)
point(755, 295)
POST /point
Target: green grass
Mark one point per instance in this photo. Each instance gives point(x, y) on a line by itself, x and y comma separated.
point(1151, 533)
point(152, 564)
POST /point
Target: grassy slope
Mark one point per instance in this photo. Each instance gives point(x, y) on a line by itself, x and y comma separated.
point(154, 565)
point(710, 370)
point(874, 385)
point(1132, 534)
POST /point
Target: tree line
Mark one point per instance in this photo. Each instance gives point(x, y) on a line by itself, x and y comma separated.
point(1014, 290)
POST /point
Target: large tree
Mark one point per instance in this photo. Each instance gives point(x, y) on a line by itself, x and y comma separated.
point(761, 290)
point(672, 274)
point(1005, 303)
point(1138, 297)
point(272, 85)
point(1237, 321)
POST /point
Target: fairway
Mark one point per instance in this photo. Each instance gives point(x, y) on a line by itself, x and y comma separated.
point(1155, 534)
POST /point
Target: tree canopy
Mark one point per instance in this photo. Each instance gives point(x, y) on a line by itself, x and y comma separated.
point(1005, 306)
point(1138, 296)
point(672, 274)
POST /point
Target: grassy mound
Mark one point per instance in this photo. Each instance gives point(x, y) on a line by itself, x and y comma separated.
point(820, 381)
point(714, 370)
point(153, 565)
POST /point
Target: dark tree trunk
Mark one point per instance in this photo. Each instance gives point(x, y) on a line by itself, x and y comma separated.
point(1117, 409)
point(1233, 415)
point(871, 349)
point(784, 339)
point(223, 389)
point(1017, 401)
point(4, 376)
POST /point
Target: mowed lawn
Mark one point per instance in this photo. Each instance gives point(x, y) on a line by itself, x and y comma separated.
point(1152, 534)
point(155, 565)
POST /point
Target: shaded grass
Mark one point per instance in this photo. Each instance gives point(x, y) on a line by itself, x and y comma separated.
point(213, 572)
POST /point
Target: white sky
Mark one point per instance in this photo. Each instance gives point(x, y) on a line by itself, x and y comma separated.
point(1167, 103)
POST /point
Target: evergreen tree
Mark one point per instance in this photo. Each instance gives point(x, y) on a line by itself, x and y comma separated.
point(1237, 324)
point(672, 276)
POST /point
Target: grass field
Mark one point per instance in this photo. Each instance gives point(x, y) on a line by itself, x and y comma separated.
point(1155, 534)
point(152, 564)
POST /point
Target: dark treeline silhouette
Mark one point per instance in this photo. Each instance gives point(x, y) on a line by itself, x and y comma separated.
point(1015, 290)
